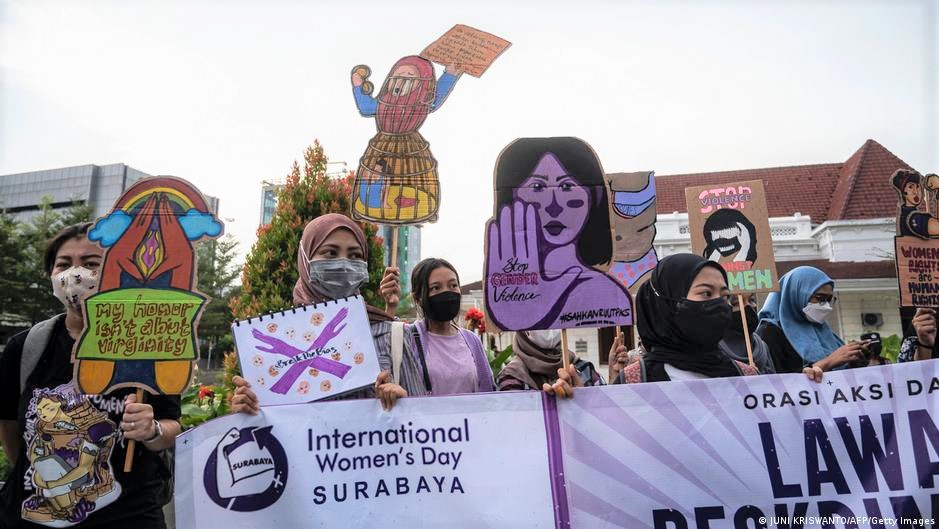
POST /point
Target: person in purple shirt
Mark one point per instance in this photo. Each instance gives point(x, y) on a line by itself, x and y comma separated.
point(450, 359)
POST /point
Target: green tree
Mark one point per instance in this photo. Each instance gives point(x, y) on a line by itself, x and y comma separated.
point(216, 277)
point(77, 213)
point(12, 259)
point(32, 298)
point(270, 270)
point(37, 302)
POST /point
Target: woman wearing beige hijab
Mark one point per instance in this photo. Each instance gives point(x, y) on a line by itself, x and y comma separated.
point(332, 262)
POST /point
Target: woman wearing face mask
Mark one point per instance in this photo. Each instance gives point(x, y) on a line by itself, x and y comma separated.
point(537, 364)
point(450, 359)
point(332, 264)
point(67, 448)
point(734, 343)
point(793, 324)
point(682, 313)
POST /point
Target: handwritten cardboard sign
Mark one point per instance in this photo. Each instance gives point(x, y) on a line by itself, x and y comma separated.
point(470, 49)
point(918, 272)
point(397, 181)
point(917, 240)
point(729, 224)
point(549, 243)
point(307, 353)
point(141, 327)
point(140, 324)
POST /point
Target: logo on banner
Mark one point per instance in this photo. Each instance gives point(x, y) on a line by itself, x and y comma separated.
point(247, 471)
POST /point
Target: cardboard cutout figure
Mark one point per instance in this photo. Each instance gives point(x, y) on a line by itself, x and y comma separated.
point(633, 204)
point(140, 328)
point(396, 181)
point(729, 224)
point(549, 243)
point(917, 247)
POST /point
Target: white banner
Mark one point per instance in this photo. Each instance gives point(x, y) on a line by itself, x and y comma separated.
point(858, 450)
point(458, 462)
point(307, 353)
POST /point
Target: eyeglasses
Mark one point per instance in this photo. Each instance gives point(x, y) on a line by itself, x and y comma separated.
point(823, 298)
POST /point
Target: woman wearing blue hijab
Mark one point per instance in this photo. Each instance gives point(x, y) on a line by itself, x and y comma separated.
point(793, 324)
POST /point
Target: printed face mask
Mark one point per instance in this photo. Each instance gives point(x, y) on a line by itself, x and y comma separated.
point(817, 312)
point(338, 278)
point(546, 339)
point(74, 285)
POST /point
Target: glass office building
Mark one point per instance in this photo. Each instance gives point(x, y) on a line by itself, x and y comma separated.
point(96, 185)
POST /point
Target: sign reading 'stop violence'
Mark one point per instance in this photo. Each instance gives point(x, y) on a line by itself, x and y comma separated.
point(729, 224)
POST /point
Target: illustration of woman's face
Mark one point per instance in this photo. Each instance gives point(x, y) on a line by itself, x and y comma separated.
point(47, 409)
point(563, 204)
point(912, 194)
point(402, 82)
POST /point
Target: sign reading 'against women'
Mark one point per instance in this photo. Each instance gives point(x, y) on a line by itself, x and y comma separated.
point(858, 450)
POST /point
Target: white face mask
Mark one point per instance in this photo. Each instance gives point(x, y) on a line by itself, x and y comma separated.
point(817, 312)
point(546, 339)
point(72, 286)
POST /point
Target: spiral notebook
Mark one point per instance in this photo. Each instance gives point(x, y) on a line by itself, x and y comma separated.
point(307, 353)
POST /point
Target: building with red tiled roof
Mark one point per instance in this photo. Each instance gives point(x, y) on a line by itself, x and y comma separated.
point(857, 188)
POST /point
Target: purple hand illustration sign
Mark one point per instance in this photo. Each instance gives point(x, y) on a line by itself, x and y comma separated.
point(307, 353)
point(550, 243)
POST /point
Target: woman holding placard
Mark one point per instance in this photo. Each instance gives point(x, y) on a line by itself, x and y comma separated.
point(332, 264)
point(450, 359)
point(537, 364)
point(734, 343)
point(67, 448)
point(793, 324)
point(682, 315)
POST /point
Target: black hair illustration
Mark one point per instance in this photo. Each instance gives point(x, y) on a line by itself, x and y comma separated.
point(724, 233)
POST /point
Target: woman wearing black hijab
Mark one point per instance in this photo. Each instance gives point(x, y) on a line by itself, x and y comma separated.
point(682, 313)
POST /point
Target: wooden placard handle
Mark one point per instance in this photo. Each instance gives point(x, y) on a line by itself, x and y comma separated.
point(746, 330)
point(132, 444)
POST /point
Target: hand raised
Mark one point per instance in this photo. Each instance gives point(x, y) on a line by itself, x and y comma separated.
point(518, 291)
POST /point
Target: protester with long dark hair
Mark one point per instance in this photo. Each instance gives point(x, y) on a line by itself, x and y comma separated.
point(67, 448)
point(450, 358)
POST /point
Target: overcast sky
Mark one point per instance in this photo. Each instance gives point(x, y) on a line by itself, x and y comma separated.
point(228, 93)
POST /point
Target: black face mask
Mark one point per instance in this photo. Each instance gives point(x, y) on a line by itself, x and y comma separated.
point(753, 320)
point(703, 322)
point(443, 306)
